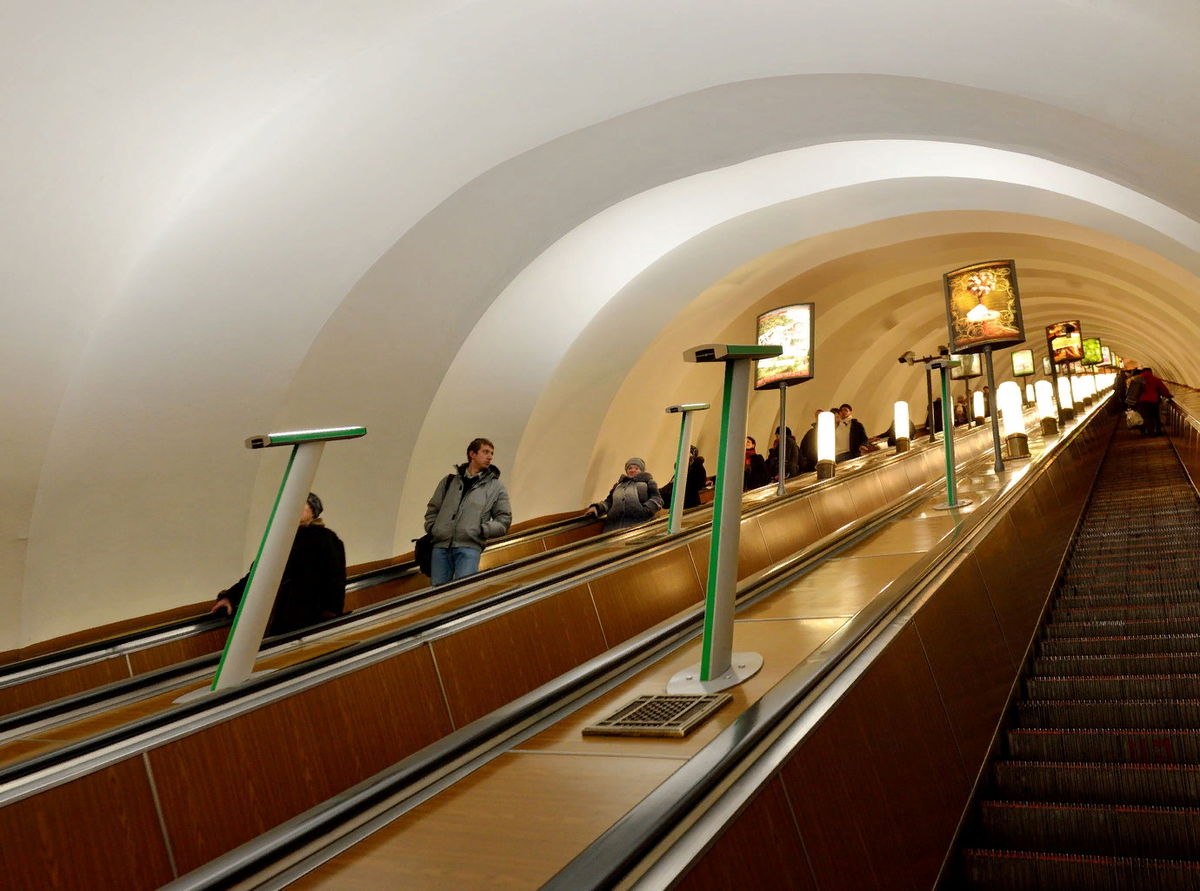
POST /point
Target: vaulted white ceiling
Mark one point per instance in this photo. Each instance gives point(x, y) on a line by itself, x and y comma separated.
point(444, 219)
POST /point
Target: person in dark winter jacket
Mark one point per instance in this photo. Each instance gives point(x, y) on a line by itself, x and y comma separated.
point(632, 500)
point(468, 507)
point(791, 455)
point(314, 580)
point(696, 480)
point(755, 473)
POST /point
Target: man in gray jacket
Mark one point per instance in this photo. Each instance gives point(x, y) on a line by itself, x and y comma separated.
point(468, 507)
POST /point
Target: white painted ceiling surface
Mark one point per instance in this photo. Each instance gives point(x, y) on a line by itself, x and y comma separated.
point(448, 219)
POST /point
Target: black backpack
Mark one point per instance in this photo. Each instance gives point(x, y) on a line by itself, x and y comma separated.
point(1134, 390)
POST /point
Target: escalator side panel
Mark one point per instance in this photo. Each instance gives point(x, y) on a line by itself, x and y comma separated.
point(229, 782)
point(181, 650)
point(123, 850)
point(867, 493)
point(789, 529)
point(64, 683)
point(833, 508)
point(969, 656)
point(640, 596)
point(490, 559)
point(1006, 572)
point(753, 554)
point(749, 857)
point(481, 670)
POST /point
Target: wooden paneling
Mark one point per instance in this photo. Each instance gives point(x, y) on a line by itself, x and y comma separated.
point(487, 665)
point(839, 587)
point(64, 683)
point(788, 529)
point(761, 849)
point(752, 552)
point(1017, 601)
point(97, 832)
point(178, 650)
point(499, 556)
point(640, 596)
point(880, 782)
point(378, 593)
point(916, 469)
point(971, 663)
point(227, 783)
point(454, 840)
point(867, 493)
point(833, 507)
point(558, 539)
point(893, 479)
point(907, 536)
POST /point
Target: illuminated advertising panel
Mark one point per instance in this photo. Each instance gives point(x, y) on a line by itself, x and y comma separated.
point(968, 366)
point(1092, 354)
point(790, 327)
point(1045, 365)
point(983, 307)
point(1022, 362)
point(1065, 341)
point(1106, 357)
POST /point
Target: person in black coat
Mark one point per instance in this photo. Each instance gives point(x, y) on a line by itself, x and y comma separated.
point(314, 580)
point(756, 473)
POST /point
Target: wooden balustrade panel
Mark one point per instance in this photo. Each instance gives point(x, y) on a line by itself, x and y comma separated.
point(490, 664)
point(226, 783)
point(640, 596)
point(833, 507)
point(893, 479)
point(1033, 523)
point(972, 666)
point(378, 593)
point(25, 695)
point(569, 536)
point(760, 849)
point(180, 650)
point(879, 786)
point(867, 493)
point(752, 552)
point(1015, 596)
point(916, 468)
point(500, 556)
point(98, 832)
point(789, 528)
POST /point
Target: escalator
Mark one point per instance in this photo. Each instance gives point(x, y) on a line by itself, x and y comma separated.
point(1096, 783)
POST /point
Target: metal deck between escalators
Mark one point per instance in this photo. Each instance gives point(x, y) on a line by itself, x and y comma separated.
point(1097, 781)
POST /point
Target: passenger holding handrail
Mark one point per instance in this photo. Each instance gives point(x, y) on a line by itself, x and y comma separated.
point(314, 580)
point(633, 499)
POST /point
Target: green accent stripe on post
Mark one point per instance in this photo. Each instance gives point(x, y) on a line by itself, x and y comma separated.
point(710, 601)
point(254, 566)
point(947, 435)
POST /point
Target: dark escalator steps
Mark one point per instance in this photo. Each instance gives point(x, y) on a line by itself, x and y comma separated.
point(1147, 785)
point(1114, 713)
point(1143, 687)
point(1119, 664)
point(1073, 872)
point(1150, 832)
point(1126, 611)
point(1114, 627)
point(1134, 746)
point(1124, 595)
point(1106, 646)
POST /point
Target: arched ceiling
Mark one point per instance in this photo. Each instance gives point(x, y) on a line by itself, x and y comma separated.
point(239, 216)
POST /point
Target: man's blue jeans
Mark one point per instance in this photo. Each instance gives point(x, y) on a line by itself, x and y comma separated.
point(449, 564)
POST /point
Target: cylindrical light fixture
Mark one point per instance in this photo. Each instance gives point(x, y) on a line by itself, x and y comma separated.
point(1030, 395)
point(977, 405)
point(900, 426)
point(1077, 393)
point(1065, 400)
point(825, 446)
point(1045, 406)
point(1012, 419)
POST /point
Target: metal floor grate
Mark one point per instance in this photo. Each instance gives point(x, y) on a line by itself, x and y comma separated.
point(670, 715)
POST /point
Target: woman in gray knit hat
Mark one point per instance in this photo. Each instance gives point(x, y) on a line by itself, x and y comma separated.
point(632, 500)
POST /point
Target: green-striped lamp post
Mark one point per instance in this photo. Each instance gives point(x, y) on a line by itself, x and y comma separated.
point(250, 621)
point(681, 461)
point(719, 666)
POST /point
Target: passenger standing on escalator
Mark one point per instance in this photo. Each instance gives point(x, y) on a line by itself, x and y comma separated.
point(468, 507)
point(633, 499)
point(313, 587)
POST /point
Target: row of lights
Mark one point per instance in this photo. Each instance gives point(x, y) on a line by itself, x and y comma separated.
point(1075, 391)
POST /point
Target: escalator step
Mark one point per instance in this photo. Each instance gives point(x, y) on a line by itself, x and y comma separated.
point(1125, 595)
point(1150, 785)
point(1142, 687)
point(1105, 745)
point(1106, 646)
point(1145, 714)
point(1129, 663)
point(1009, 870)
point(1171, 833)
point(1126, 611)
point(1118, 626)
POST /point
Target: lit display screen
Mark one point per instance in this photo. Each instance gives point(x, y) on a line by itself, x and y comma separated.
point(983, 308)
point(1066, 343)
point(790, 327)
point(1022, 362)
point(968, 366)
point(1092, 354)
